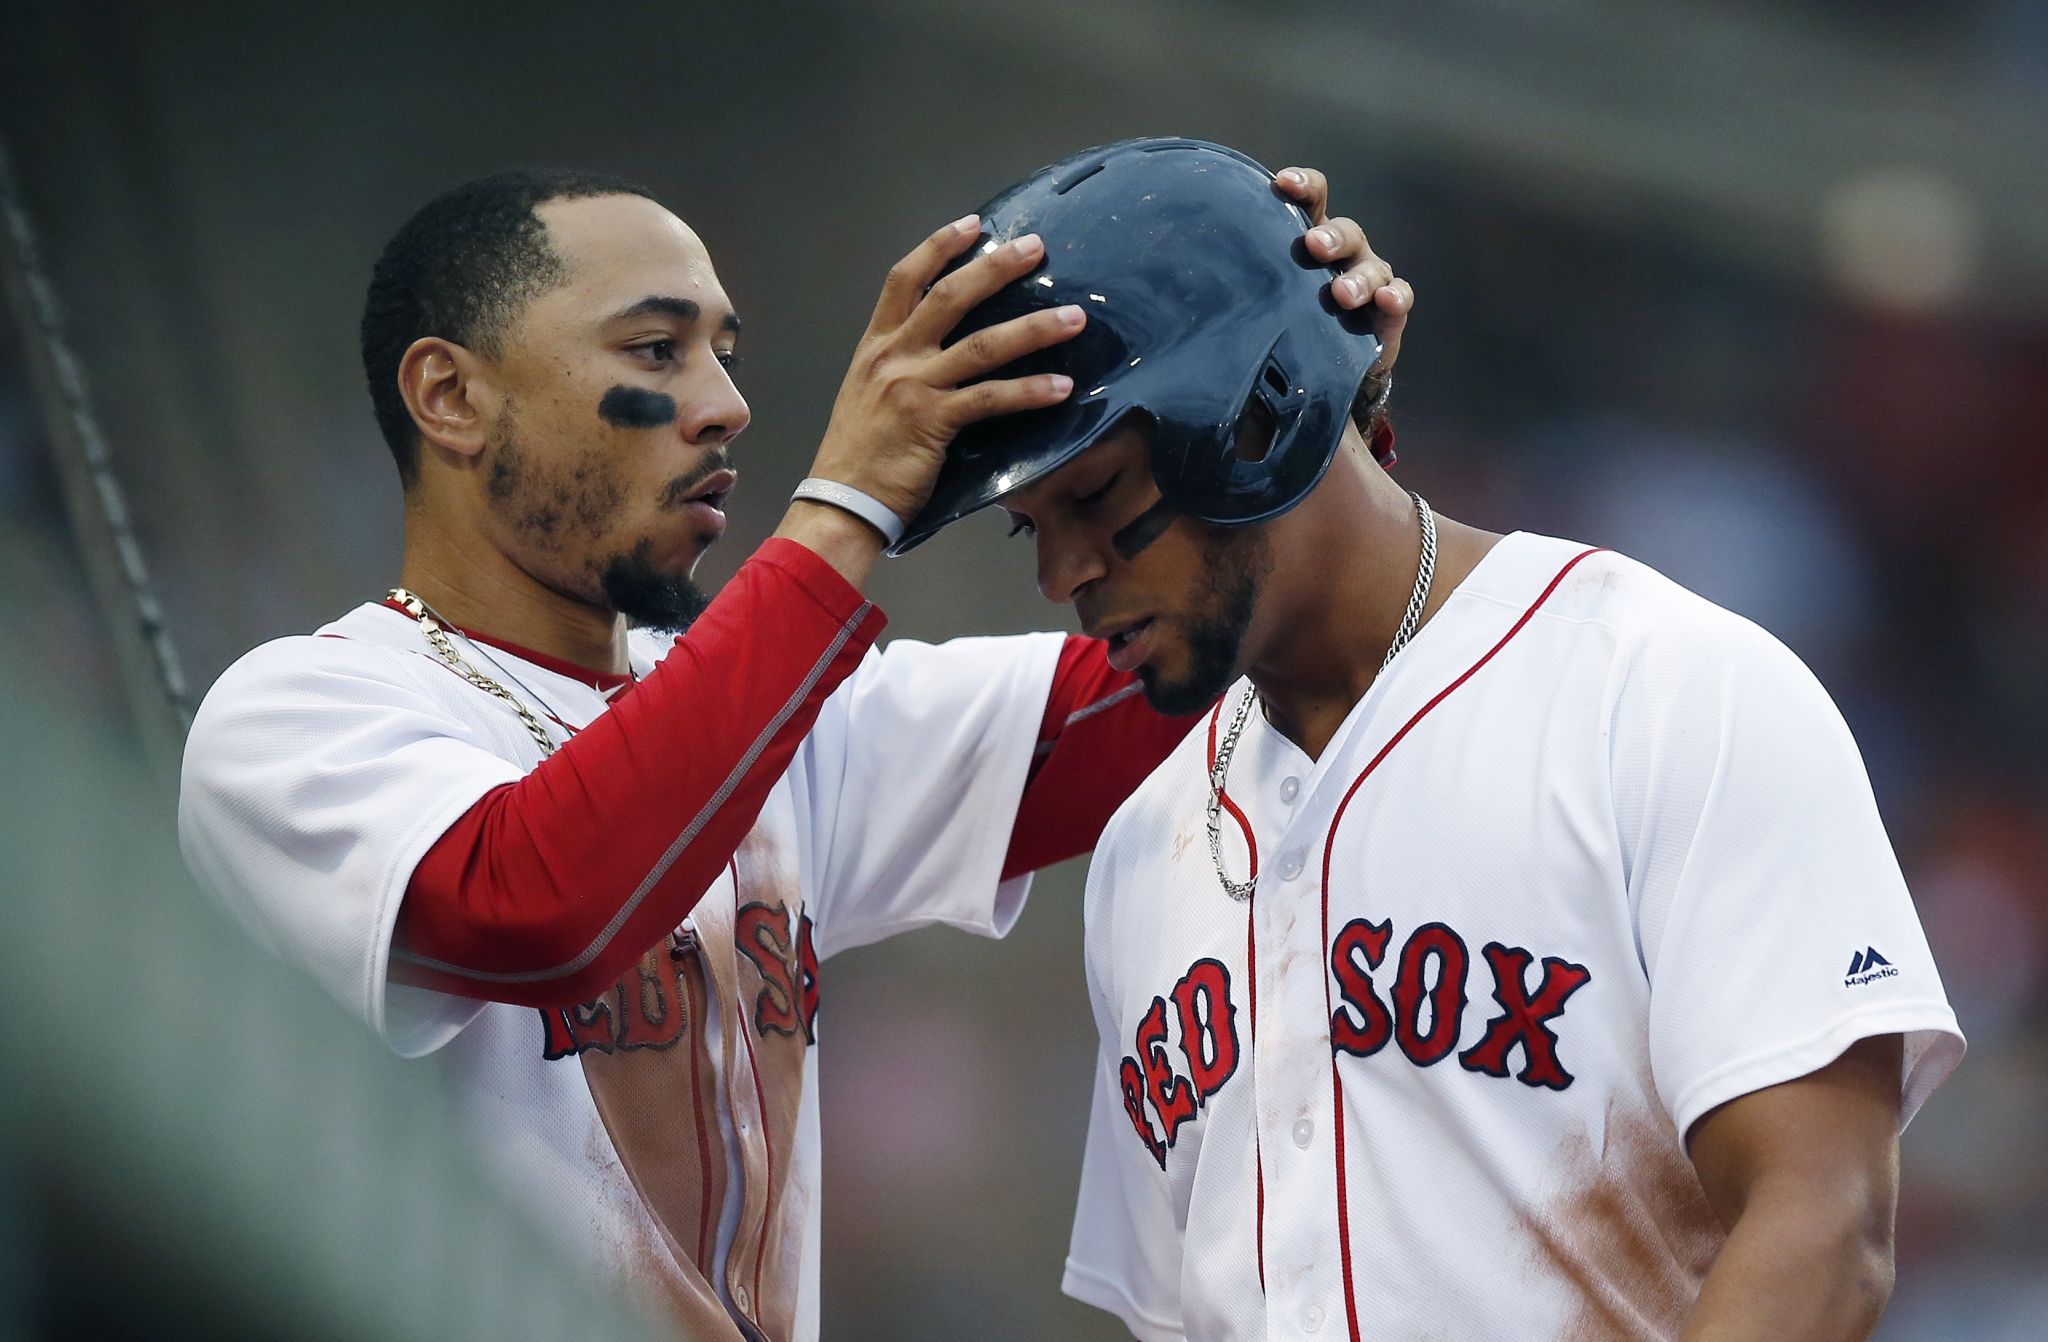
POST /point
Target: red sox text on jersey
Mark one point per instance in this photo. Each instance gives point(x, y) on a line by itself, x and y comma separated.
point(1433, 970)
point(648, 1008)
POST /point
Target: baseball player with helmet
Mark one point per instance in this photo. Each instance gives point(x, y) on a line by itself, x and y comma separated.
point(594, 870)
point(1514, 950)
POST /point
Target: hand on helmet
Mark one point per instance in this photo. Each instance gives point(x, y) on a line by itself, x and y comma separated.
point(903, 398)
point(1366, 278)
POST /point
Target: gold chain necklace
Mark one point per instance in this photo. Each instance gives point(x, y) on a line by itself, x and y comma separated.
point(444, 648)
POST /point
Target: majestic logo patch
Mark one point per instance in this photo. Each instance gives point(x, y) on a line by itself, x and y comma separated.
point(1865, 966)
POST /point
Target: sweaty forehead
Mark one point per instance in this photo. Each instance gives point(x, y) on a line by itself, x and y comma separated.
point(618, 249)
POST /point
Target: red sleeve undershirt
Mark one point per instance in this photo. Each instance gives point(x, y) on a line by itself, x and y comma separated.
point(1097, 741)
point(549, 888)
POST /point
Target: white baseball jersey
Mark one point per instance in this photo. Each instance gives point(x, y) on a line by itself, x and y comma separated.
point(320, 770)
point(1592, 857)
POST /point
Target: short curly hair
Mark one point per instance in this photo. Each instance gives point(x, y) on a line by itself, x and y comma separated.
point(463, 268)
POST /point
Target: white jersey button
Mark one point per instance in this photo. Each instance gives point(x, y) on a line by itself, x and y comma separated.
point(1290, 865)
point(739, 1297)
point(1312, 1318)
point(1290, 788)
point(1304, 1133)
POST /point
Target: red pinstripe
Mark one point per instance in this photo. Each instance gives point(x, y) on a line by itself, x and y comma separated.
point(1329, 846)
point(761, 1114)
point(703, 1138)
point(1251, 960)
point(768, 1151)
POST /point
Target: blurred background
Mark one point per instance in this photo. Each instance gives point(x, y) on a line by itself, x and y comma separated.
point(1754, 291)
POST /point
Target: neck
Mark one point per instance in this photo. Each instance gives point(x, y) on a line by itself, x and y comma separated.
point(469, 582)
point(1357, 547)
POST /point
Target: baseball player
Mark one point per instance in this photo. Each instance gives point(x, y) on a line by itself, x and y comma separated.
point(594, 871)
point(1514, 950)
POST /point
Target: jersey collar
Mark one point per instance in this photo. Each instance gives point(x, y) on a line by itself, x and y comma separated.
point(606, 683)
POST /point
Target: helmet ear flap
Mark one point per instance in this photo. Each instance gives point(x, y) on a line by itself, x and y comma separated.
point(1273, 401)
point(1277, 451)
point(1235, 469)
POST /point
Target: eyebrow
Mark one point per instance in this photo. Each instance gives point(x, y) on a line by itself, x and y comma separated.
point(683, 309)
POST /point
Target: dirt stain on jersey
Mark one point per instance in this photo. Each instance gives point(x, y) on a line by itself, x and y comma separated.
point(767, 1249)
point(683, 1299)
point(646, 1097)
point(1631, 1232)
point(646, 1056)
point(671, 1158)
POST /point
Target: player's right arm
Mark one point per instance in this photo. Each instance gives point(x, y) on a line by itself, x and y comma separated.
point(549, 888)
point(549, 884)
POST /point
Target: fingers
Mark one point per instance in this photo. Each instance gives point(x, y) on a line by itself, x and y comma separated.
point(1005, 342)
point(1342, 242)
point(910, 277)
point(1395, 298)
point(985, 400)
point(1307, 188)
point(941, 309)
point(1367, 280)
point(1391, 304)
point(1338, 241)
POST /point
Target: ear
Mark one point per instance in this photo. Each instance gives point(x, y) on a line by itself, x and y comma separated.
point(448, 391)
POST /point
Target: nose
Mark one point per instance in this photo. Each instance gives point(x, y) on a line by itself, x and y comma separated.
point(1066, 564)
point(716, 412)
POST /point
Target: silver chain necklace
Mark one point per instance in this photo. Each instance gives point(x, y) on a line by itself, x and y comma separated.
point(436, 631)
point(1425, 575)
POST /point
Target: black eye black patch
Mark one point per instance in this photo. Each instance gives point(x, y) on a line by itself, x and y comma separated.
point(1142, 530)
point(632, 408)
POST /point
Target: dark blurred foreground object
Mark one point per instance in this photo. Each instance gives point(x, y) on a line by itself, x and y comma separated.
point(193, 1142)
point(93, 498)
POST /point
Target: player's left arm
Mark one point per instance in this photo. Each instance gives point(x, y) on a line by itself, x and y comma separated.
point(1805, 1176)
point(1765, 889)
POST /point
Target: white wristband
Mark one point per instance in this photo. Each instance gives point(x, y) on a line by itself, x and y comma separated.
point(866, 507)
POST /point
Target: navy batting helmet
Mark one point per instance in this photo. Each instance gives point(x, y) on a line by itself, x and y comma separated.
point(1202, 304)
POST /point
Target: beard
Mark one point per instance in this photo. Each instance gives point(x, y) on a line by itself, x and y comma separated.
point(1235, 563)
point(556, 508)
point(667, 603)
